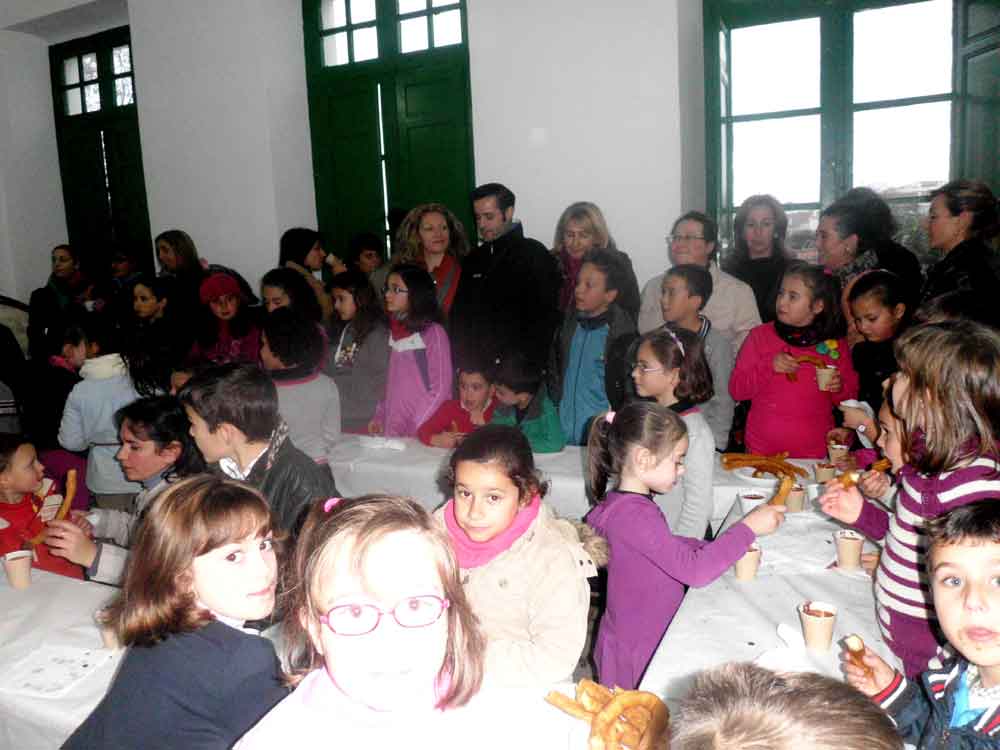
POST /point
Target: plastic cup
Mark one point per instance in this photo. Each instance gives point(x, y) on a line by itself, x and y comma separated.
point(108, 636)
point(817, 620)
point(17, 566)
point(824, 472)
point(796, 500)
point(849, 544)
point(838, 452)
point(746, 566)
point(824, 375)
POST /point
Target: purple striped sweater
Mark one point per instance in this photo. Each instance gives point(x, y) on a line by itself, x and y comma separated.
point(901, 583)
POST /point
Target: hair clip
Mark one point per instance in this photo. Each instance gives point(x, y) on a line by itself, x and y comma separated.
point(676, 341)
point(609, 417)
point(331, 503)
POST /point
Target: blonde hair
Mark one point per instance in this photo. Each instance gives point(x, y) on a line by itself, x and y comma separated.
point(408, 246)
point(362, 522)
point(746, 707)
point(588, 214)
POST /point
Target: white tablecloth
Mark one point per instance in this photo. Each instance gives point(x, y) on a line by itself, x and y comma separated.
point(53, 611)
point(359, 468)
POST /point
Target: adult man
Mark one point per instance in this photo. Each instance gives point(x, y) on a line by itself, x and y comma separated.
point(507, 299)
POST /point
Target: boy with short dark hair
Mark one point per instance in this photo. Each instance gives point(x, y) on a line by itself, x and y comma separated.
point(233, 410)
point(457, 417)
point(587, 367)
point(524, 403)
point(686, 290)
point(956, 703)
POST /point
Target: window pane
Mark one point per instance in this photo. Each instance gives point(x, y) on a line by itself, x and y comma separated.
point(335, 49)
point(121, 58)
point(123, 91)
point(910, 232)
point(780, 157)
point(903, 150)
point(448, 28)
point(71, 73)
point(365, 44)
point(441, 3)
point(362, 11)
point(413, 34)
point(74, 104)
point(411, 6)
point(800, 240)
point(334, 14)
point(90, 67)
point(92, 97)
point(902, 51)
point(775, 67)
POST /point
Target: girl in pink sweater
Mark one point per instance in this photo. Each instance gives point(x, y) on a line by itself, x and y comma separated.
point(778, 367)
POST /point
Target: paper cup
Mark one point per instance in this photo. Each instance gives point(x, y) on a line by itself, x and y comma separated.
point(824, 472)
point(750, 499)
point(823, 377)
point(108, 636)
point(17, 566)
point(746, 566)
point(838, 452)
point(817, 620)
point(849, 544)
point(796, 500)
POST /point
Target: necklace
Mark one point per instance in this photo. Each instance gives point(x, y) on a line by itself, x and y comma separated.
point(977, 690)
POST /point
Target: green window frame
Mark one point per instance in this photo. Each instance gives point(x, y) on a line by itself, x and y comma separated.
point(94, 75)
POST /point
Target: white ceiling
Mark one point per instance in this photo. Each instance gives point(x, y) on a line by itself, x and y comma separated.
point(58, 20)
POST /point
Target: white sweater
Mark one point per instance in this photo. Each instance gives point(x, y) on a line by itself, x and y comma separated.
point(688, 506)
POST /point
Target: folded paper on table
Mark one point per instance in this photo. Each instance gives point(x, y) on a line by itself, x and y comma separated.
point(52, 671)
point(381, 443)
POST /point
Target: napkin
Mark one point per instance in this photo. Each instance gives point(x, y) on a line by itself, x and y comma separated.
point(795, 657)
point(793, 548)
point(381, 443)
point(51, 671)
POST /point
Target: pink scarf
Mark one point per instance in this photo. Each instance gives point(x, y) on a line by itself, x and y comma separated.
point(472, 554)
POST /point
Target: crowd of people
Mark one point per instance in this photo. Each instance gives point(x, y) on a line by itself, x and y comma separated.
point(200, 411)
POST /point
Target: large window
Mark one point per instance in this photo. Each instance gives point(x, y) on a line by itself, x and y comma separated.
point(390, 110)
point(811, 98)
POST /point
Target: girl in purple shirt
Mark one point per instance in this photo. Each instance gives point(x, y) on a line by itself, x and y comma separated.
point(644, 446)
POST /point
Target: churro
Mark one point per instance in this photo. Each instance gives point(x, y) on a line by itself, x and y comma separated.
point(618, 718)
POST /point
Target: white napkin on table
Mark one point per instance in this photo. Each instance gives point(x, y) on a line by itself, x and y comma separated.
point(382, 443)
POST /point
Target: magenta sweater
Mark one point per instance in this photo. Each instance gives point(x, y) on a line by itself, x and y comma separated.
point(787, 415)
point(408, 402)
point(647, 571)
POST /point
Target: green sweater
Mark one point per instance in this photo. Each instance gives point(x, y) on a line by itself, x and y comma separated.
point(539, 423)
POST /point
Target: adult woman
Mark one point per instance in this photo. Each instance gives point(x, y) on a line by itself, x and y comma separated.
point(758, 256)
point(302, 249)
point(179, 260)
point(64, 294)
point(431, 237)
point(732, 308)
point(580, 229)
point(963, 218)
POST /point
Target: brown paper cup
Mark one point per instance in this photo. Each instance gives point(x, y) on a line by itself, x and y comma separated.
point(824, 472)
point(17, 566)
point(823, 377)
point(796, 500)
point(817, 629)
point(746, 566)
point(849, 544)
point(837, 452)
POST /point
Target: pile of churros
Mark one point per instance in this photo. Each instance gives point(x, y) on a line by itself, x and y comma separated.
point(777, 465)
point(618, 718)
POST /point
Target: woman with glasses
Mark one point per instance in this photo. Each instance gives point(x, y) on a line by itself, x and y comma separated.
point(580, 229)
point(732, 308)
point(758, 257)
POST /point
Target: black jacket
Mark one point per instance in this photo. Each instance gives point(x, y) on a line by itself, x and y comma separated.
point(763, 276)
point(967, 268)
point(507, 300)
point(894, 257)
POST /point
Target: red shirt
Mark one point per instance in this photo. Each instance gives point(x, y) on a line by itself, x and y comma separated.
point(21, 523)
point(450, 416)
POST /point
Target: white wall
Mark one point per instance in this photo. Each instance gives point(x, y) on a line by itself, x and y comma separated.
point(581, 101)
point(32, 216)
point(224, 124)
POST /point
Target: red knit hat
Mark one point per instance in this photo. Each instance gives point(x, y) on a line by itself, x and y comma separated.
point(218, 285)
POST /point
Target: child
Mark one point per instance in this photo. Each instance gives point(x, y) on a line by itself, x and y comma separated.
point(789, 411)
point(588, 355)
point(21, 477)
point(203, 565)
point(419, 378)
point(955, 703)
point(643, 445)
point(150, 298)
point(947, 399)
point(286, 287)
point(458, 417)
point(671, 369)
point(157, 450)
point(877, 302)
point(739, 706)
point(233, 410)
point(686, 290)
point(359, 359)
point(291, 351)
point(525, 404)
point(228, 335)
point(525, 571)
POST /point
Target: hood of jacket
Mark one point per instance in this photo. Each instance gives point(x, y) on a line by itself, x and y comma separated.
point(103, 367)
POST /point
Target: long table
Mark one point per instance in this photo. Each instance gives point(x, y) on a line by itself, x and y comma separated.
point(54, 611)
point(359, 466)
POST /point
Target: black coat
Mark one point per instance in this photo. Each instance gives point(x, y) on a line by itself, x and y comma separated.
point(507, 300)
point(967, 268)
point(894, 257)
point(763, 275)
